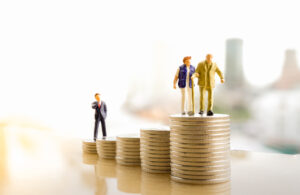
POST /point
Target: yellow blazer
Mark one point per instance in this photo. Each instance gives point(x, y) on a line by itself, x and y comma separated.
point(206, 76)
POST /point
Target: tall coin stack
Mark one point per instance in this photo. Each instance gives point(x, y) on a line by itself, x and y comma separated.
point(155, 150)
point(200, 149)
point(89, 146)
point(106, 148)
point(128, 150)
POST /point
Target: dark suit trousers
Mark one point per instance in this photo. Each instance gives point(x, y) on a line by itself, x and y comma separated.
point(103, 127)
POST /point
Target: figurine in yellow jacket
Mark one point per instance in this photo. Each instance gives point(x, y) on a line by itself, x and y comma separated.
point(206, 80)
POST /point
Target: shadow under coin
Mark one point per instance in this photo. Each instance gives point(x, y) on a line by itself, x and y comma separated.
point(106, 168)
point(89, 159)
point(155, 184)
point(129, 178)
point(210, 189)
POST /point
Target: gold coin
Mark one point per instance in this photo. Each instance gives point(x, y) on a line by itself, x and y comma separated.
point(155, 143)
point(132, 154)
point(155, 139)
point(125, 159)
point(199, 141)
point(150, 151)
point(198, 117)
point(199, 163)
point(149, 155)
point(166, 159)
point(199, 181)
point(136, 148)
point(163, 130)
point(164, 164)
point(155, 167)
point(200, 123)
point(202, 172)
point(199, 150)
point(199, 159)
point(107, 156)
point(207, 136)
point(201, 168)
point(128, 137)
point(208, 154)
point(155, 170)
point(151, 147)
point(204, 145)
point(185, 176)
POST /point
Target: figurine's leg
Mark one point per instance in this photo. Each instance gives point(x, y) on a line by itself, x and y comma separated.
point(182, 100)
point(103, 126)
point(210, 99)
point(202, 94)
point(96, 129)
point(189, 92)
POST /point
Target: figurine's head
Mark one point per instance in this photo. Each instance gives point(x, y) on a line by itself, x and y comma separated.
point(209, 58)
point(187, 60)
point(97, 97)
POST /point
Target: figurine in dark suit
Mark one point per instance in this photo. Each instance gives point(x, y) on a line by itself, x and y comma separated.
point(100, 115)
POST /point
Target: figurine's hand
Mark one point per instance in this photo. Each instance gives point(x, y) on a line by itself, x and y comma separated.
point(174, 86)
point(222, 81)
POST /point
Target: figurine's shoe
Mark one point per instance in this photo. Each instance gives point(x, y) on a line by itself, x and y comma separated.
point(190, 113)
point(104, 137)
point(183, 113)
point(210, 113)
point(201, 112)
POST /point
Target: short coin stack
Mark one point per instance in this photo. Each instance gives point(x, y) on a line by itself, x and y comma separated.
point(106, 148)
point(155, 150)
point(200, 149)
point(128, 150)
point(89, 146)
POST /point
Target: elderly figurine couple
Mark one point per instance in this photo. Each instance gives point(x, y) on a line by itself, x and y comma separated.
point(205, 72)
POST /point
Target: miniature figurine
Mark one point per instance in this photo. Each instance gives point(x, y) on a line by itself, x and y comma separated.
point(100, 115)
point(206, 80)
point(183, 75)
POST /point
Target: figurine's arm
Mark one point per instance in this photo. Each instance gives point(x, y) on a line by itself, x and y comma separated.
point(105, 110)
point(94, 105)
point(220, 74)
point(197, 72)
point(176, 79)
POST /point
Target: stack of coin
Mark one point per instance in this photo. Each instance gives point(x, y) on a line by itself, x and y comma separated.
point(128, 150)
point(106, 148)
point(155, 150)
point(200, 149)
point(89, 146)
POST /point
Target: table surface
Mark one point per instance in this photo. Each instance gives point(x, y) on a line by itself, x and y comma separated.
point(58, 166)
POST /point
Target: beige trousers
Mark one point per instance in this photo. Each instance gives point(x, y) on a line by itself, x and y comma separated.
point(184, 91)
point(203, 91)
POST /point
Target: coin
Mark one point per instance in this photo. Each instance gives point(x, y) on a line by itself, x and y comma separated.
point(150, 151)
point(199, 181)
point(208, 154)
point(202, 172)
point(201, 168)
point(199, 163)
point(204, 123)
point(199, 159)
point(155, 170)
point(199, 150)
point(209, 140)
point(204, 145)
point(155, 163)
point(198, 117)
point(149, 155)
point(155, 143)
point(207, 136)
